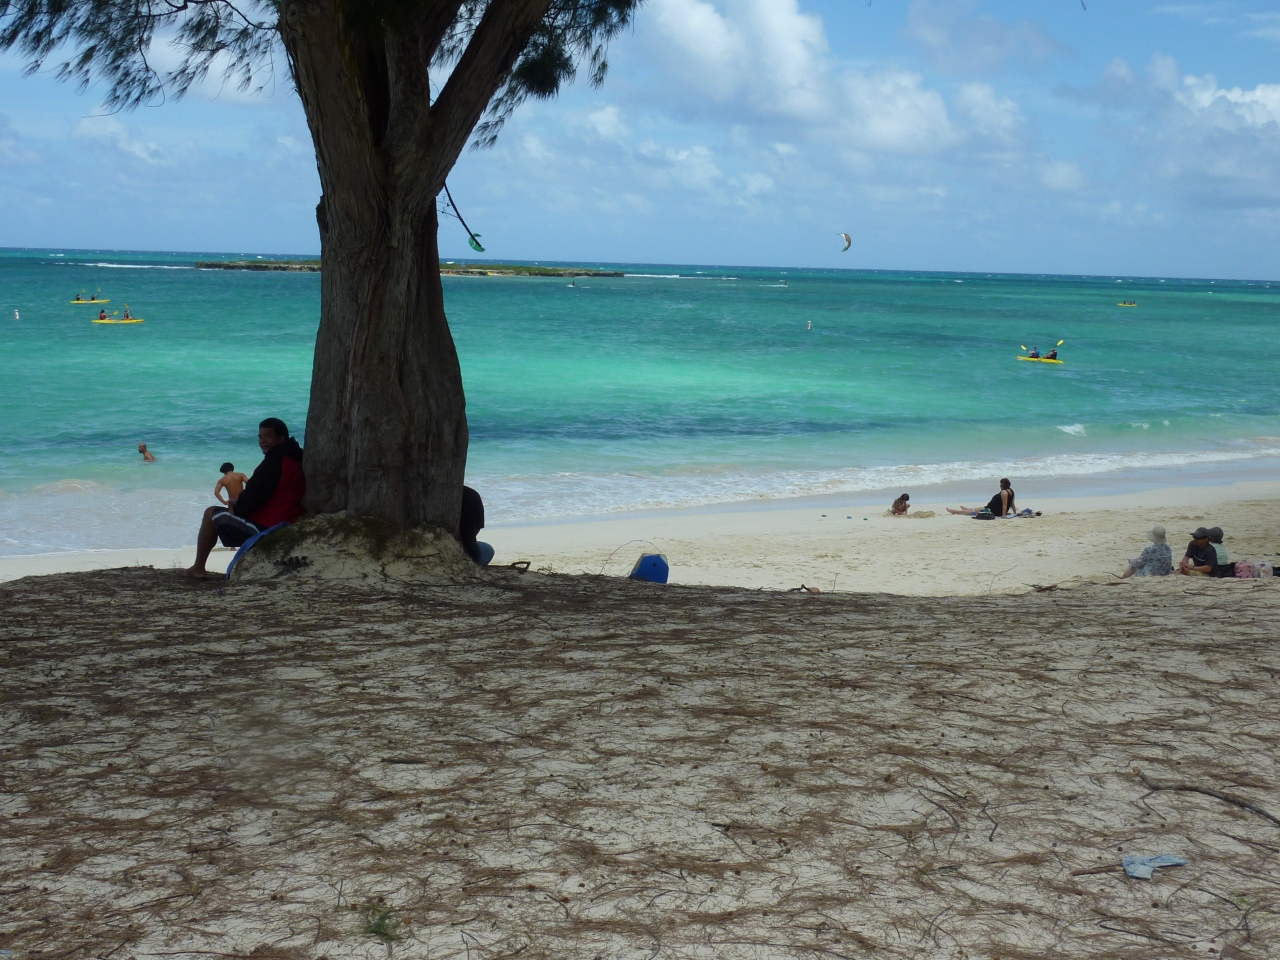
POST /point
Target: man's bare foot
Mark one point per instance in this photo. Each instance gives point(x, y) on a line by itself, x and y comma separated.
point(191, 573)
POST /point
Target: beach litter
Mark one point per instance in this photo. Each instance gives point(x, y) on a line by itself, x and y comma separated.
point(1140, 868)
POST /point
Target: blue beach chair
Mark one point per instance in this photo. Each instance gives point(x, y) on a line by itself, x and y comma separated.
point(248, 544)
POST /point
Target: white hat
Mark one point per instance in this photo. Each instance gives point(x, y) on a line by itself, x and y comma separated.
point(1157, 534)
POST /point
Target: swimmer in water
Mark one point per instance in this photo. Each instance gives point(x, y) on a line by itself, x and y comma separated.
point(147, 455)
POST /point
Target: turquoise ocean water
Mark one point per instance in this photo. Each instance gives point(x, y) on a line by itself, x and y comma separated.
point(671, 386)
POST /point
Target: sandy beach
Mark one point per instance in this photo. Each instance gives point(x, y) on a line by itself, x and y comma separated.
point(587, 768)
point(834, 544)
point(859, 549)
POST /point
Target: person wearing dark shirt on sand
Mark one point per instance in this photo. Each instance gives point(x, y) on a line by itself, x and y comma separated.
point(1201, 559)
point(1001, 505)
point(273, 495)
point(470, 524)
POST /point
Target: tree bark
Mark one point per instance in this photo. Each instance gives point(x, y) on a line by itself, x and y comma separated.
point(387, 429)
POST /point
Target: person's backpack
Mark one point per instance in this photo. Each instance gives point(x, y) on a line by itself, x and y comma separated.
point(984, 514)
point(1245, 570)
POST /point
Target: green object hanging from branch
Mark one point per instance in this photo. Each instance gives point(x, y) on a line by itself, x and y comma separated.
point(472, 238)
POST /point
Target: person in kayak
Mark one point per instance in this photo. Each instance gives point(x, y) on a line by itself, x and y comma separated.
point(102, 314)
point(127, 314)
point(1052, 354)
point(1001, 505)
point(1035, 353)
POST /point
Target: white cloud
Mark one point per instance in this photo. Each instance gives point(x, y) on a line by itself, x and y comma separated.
point(1252, 108)
point(957, 41)
point(992, 115)
point(110, 130)
point(1216, 146)
point(765, 54)
point(607, 122)
point(1062, 175)
point(766, 64)
point(893, 112)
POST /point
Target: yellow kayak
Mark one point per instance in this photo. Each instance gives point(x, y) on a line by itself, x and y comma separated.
point(1040, 360)
point(89, 301)
point(130, 320)
point(1127, 303)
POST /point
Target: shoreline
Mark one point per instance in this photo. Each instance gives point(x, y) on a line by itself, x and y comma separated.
point(845, 543)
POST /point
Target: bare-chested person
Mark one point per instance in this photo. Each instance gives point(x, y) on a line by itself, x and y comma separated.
point(227, 490)
point(147, 455)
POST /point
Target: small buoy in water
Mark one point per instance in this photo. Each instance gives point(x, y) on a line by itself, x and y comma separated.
point(810, 326)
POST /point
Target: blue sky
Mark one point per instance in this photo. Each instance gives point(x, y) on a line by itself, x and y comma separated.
point(1134, 137)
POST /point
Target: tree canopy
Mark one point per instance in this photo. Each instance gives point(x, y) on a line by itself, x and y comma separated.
point(113, 42)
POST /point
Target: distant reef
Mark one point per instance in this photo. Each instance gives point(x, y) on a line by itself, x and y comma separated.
point(446, 269)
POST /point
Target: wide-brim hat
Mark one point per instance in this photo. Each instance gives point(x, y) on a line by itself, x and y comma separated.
point(1157, 534)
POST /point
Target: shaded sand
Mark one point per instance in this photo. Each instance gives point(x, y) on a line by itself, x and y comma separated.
point(579, 767)
point(1083, 539)
point(11, 568)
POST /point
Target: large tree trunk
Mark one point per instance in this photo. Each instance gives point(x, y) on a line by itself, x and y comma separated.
point(387, 429)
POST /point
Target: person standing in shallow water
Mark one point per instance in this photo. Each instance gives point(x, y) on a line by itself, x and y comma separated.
point(147, 455)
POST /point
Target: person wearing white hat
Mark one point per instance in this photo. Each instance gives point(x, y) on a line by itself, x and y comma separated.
point(1154, 561)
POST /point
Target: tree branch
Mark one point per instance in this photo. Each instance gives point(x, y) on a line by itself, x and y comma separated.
point(498, 41)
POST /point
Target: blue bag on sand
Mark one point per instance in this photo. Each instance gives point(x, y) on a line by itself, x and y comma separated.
point(1140, 868)
point(652, 568)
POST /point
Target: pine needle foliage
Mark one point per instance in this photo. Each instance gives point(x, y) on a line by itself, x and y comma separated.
point(114, 42)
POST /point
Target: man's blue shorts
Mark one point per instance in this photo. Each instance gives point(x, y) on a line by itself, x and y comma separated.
point(233, 531)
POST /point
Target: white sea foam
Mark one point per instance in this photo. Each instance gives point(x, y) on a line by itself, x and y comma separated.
point(575, 494)
point(1075, 429)
point(68, 486)
point(132, 266)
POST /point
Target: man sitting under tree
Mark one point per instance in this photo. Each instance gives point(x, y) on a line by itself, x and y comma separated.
point(273, 495)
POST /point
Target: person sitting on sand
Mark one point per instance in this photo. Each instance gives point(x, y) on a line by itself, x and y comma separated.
point(230, 482)
point(901, 505)
point(1201, 559)
point(1154, 561)
point(1215, 540)
point(272, 495)
point(147, 456)
point(470, 524)
point(1001, 505)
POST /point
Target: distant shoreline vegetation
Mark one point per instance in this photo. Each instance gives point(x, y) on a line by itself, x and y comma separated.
point(446, 269)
